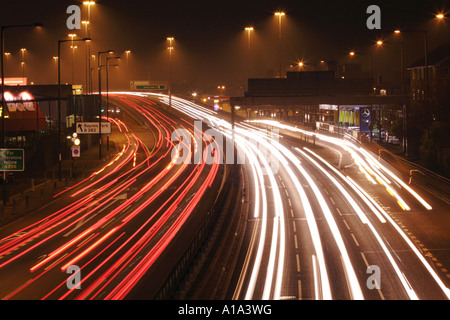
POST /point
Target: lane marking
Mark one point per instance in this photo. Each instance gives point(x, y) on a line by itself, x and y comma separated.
point(354, 239)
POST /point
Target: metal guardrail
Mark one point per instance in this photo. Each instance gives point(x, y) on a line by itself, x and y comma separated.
point(180, 269)
point(411, 172)
point(414, 173)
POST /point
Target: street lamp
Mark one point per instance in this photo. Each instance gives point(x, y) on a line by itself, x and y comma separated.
point(2, 53)
point(249, 31)
point(107, 95)
point(425, 38)
point(380, 43)
point(279, 14)
point(353, 53)
point(170, 39)
point(86, 34)
point(59, 100)
point(100, 101)
point(127, 53)
point(88, 4)
point(72, 35)
point(23, 63)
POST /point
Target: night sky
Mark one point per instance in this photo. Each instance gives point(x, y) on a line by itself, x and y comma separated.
point(210, 42)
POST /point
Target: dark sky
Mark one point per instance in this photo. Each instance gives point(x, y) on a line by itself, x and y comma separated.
point(210, 42)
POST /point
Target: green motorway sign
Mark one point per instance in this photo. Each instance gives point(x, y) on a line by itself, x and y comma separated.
point(12, 160)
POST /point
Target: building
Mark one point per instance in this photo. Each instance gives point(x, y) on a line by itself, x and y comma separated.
point(342, 95)
point(438, 62)
point(428, 120)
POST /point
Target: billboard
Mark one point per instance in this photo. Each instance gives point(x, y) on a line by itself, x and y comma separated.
point(146, 85)
point(365, 119)
point(22, 113)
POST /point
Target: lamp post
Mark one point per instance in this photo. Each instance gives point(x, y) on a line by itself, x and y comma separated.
point(279, 15)
point(86, 34)
point(425, 45)
point(380, 43)
point(100, 102)
point(170, 39)
point(353, 53)
point(59, 101)
point(2, 53)
point(127, 53)
point(88, 4)
point(91, 74)
point(55, 59)
point(107, 95)
point(23, 63)
point(249, 32)
point(72, 35)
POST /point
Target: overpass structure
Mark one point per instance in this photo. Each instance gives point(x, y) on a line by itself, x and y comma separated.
point(320, 96)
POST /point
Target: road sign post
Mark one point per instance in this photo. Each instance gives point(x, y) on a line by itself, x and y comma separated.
point(76, 151)
point(12, 160)
point(92, 128)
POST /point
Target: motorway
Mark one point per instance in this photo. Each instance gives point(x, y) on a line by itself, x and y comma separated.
point(327, 220)
point(342, 224)
point(316, 232)
point(115, 224)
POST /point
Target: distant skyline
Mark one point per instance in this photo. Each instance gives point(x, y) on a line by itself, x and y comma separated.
point(210, 40)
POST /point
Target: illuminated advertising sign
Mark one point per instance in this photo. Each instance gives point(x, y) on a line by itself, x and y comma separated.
point(22, 113)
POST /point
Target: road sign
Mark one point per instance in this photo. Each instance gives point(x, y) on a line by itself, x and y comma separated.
point(151, 87)
point(12, 160)
point(76, 151)
point(148, 85)
point(92, 127)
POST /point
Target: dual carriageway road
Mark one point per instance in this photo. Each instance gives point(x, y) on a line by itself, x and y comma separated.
point(322, 219)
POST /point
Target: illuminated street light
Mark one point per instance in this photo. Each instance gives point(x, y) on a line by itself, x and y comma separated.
point(127, 53)
point(380, 43)
point(86, 58)
point(170, 48)
point(249, 30)
point(100, 101)
point(353, 53)
point(72, 35)
point(425, 38)
point(59, 99)
point(2, 71)
point(23, 63)
point(440, 16)
point(279, 14)
point(107, 94)
point(88, 54)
